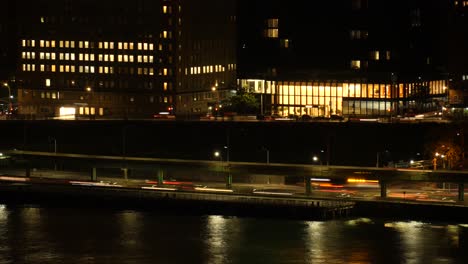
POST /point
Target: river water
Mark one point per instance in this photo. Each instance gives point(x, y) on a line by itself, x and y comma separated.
point(42, 234)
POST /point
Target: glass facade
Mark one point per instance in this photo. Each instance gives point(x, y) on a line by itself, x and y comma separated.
point(326, 98)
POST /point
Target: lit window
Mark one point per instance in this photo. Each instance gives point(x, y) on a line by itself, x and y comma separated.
point(33, 43)
point(272, 33)
point(355, 64)
point(375, 55)
point(61, 44)
point(86, 44)
point(285, 43)
point(119, 45)
point(111, 45)
point(41, 43)
point(145, 46)
point(130, 45)
point(52, 43)
point(61, 68)
point(52, 69)
point(111, 57)
point(106, 45)
point(67, 44)
point(72, 44)
point(23, 43)
point(47, 82)
point(151, 46)
point(388, 55)
point(164, 9)
point(140, 46)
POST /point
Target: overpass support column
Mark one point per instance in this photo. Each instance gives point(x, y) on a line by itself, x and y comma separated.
point(125, 173)
point(94, 174)
point(461, 192)
point(160, 176)
point(308, 186)
point(228, 178)
point(383, 189)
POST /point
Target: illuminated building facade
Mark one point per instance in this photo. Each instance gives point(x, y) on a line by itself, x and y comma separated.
point(121, 58)
point(347, 58)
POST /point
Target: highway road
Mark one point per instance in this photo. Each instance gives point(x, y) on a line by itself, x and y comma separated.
point(352, 190)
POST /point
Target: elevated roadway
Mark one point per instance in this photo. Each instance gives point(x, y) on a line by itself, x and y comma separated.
point(307, 171)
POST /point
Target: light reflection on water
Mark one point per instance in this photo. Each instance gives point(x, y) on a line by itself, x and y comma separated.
point(30, 234)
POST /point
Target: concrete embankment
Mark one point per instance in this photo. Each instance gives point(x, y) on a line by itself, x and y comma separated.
point(179, 202)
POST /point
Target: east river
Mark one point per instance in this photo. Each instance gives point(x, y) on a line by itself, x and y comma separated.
point(41, 234)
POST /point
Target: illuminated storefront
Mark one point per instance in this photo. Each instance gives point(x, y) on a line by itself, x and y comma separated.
point(327, 98)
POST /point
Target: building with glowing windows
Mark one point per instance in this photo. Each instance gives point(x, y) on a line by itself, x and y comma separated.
point(346, 58)
point(121, 58)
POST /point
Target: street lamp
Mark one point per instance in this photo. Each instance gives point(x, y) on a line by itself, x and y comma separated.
point(217, 154)
point(315, 159)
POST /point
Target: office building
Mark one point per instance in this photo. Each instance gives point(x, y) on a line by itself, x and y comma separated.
point(123, 59)
point(346, 58)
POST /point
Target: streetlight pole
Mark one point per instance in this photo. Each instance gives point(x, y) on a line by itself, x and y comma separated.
point(10, 108)
point(268, 156)
point(55, 151)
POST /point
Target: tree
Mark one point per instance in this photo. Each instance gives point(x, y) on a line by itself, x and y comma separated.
point(445, 153)
point(242, 103)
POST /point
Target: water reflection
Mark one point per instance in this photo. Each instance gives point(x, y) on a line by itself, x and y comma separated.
point(216, 239)
point(72, 235)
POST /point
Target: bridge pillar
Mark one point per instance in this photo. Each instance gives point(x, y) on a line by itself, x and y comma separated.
point(229, 180)
point(461, 192)
point(94, 174)
point(160, 176)
point(308, 185)
point(125, 173)
point(383, 189)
